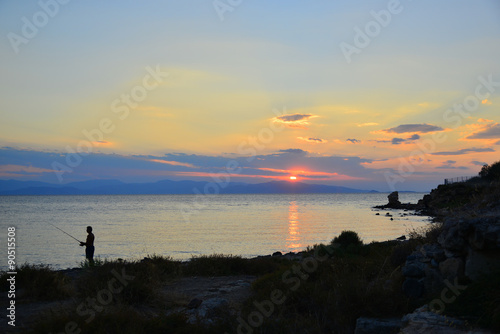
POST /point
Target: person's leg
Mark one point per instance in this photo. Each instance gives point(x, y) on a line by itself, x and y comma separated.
point(89, 254)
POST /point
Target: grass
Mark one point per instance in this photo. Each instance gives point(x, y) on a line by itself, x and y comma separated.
point(325, 292)
point(38, 282)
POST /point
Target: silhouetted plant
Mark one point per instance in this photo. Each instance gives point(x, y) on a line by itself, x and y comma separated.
point(347, 238)
point(491, 172)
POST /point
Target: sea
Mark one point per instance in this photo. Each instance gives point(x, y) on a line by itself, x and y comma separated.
point(132, 227)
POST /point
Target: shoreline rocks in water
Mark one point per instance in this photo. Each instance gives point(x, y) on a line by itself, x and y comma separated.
point(394, 203)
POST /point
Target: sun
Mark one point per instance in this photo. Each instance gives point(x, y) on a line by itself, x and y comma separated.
point(293, 178)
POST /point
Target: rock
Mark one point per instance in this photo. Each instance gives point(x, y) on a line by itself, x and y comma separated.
point(452, 240)
point(433, 251)
point(377, 326)
point(425, 321)
point(452, 268)
point(413, 288)
point(414, 269)
point(209, 311)
point(194, 303)
point(479, 263)
point(394, 199)
point(486, 234)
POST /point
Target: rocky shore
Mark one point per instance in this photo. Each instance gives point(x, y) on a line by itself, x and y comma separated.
point(464, 252)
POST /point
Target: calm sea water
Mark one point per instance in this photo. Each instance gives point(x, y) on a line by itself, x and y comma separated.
point(132, 227)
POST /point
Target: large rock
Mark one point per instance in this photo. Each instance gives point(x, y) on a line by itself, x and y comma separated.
point(452, 268)
point(425, 321)
point(480, 263)
point(433, 251)
point(414, 269)
point(377, 326)
point(394, 200)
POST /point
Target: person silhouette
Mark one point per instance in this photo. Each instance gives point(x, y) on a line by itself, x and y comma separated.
point(89, 243)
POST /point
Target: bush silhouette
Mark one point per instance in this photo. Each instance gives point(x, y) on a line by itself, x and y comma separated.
point(490, 172)
point(347, 238)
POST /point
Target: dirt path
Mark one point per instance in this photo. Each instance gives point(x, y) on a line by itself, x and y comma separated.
point(209, 293)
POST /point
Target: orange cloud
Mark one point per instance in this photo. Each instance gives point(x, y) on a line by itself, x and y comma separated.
point(173, 163)
point(487, 102)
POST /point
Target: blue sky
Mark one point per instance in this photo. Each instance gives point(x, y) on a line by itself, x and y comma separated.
point(269, 86)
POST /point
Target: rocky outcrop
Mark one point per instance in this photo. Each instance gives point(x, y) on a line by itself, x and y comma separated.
point(425, 321)
point(466, 250)
point(394, 203)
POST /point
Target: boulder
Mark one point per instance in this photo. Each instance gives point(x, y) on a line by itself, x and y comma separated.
point(452, 268)
point(425, 321)
point(480, 263)
point(393, 200)
point(377, 326)
point(414, 269)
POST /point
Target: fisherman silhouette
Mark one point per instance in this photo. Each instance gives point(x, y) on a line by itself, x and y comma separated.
point(89, 243)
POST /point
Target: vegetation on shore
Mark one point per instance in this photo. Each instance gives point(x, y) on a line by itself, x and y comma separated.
point(326, 289)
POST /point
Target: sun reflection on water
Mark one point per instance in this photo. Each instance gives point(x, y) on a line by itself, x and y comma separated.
point(293, 238)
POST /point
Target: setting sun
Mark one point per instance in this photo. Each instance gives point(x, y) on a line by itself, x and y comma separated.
point(293, 178)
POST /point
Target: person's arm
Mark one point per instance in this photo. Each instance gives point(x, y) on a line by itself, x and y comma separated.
point(86, 242)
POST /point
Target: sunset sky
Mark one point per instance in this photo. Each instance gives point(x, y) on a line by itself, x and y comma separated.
point(384, 95)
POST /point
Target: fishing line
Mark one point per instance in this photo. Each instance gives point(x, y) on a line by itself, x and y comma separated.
point(65, 232)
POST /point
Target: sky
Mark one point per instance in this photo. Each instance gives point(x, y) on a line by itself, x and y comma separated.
point(383, 95)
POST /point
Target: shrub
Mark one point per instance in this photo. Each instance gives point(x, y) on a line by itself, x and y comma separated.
point(491, 172)
point(39, 282)
point(347, 238)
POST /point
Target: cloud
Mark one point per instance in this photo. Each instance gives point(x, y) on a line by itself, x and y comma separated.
point(450, 164)
point(487, 102)
point(293, 151)
point(353, 140)
point(313, 140)
point(478, 163)
point(20, 170)
point(397, 141)
point(294, 120)
point(466, 151)
point(366, 124)
point(421, 128)
point(173, 163)
point(491, 131)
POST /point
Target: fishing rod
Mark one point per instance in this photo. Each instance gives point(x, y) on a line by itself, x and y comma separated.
point(66, 233)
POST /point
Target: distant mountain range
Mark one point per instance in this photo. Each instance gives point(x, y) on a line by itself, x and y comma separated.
point(115, 187)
